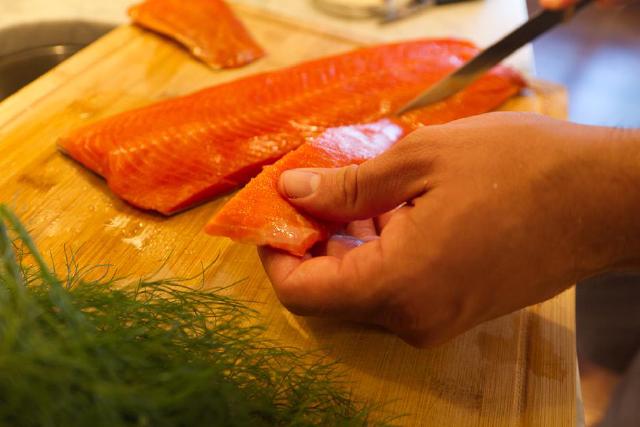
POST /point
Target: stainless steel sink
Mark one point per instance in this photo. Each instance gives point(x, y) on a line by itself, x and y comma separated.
point(27, 51)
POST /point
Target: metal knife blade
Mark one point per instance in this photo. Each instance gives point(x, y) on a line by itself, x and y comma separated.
point(487, 59)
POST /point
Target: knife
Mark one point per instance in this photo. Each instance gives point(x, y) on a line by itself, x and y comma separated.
point(487, 59)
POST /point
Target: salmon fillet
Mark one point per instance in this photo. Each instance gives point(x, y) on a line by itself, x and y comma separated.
point(208, 28)
point(176, 153)
point(259, 215)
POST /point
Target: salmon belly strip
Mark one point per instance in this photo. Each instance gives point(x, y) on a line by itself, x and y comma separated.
point(259, 215)
point(176, 153)
point(208, 28)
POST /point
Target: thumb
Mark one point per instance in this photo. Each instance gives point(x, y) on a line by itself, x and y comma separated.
point(357, 192)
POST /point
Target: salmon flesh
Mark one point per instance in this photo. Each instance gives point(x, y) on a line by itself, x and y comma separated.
point(208, 28)
point(275, 222)
point(180, 152)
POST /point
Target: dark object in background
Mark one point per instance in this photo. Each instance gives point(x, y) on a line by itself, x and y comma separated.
point(608, 320)
point(29, 50)
point(624, 410)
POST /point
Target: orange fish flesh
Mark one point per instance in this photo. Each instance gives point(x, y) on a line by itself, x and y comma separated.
point(180, 152)
point(208, 28)
point(272, 220)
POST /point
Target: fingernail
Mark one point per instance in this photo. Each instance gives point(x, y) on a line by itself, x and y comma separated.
point(297, 184)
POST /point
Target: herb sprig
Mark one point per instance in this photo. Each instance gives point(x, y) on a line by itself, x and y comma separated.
point(159, 352)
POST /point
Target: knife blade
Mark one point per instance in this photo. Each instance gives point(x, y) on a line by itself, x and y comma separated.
point(493, 55)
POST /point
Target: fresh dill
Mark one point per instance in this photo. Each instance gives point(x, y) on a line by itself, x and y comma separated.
point(94, 352)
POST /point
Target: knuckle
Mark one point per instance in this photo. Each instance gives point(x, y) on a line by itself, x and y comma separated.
point(421, 331)
point(425, 144)
point(289, 299)
point(348, 182)
point(424, 339)
point(422, 324)
point(412, 327)
point(438, 330)
point(422, 135)
point(402, 318)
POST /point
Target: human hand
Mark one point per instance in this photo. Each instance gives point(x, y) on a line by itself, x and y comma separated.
point(504, 210)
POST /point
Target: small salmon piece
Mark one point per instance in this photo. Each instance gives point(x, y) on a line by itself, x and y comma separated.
point(259, 215)
point(208, 28)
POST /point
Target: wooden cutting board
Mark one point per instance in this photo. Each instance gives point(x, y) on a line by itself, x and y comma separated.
point(516, 370)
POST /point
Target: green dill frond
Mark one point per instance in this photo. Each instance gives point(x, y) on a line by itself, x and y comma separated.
point(159, 352)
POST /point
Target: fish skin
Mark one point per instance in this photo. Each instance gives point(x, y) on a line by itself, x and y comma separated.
point(208, 28)
point(258, 214)
point(180, 152)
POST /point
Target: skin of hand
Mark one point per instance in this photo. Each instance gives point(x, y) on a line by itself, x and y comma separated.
point(503, 210)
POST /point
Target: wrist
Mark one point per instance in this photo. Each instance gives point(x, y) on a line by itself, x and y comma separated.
point(611, 199)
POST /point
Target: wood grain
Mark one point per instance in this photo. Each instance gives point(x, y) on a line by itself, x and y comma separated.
point(516, 370)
